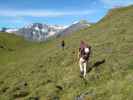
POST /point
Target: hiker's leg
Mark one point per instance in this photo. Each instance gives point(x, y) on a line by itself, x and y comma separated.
point(85, 65)
point(81, 65)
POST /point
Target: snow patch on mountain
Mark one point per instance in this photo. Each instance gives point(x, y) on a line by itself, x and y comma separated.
point(11, 30)
point(40, 32)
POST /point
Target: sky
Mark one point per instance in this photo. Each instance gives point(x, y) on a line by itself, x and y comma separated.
point(18, 13)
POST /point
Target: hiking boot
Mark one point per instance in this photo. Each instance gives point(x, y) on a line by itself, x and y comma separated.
point(81, 74)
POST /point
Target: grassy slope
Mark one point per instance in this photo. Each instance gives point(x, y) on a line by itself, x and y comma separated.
point(44, 66)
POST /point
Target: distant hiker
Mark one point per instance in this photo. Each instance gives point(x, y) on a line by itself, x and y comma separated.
point(83, 56)
point(63, 44)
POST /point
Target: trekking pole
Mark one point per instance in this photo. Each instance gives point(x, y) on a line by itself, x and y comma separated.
point(78, 57)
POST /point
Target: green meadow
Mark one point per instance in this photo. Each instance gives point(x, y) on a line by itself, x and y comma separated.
point(43, 71)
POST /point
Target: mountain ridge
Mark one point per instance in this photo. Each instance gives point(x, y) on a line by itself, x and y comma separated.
point(41, 32)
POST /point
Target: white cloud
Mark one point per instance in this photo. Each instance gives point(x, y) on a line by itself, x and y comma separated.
point(42, 13)
point(116, 3)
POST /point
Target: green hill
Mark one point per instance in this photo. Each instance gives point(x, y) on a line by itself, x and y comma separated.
point(42, 70)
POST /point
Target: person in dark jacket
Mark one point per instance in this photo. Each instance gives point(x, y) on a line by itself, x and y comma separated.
point(63, 44)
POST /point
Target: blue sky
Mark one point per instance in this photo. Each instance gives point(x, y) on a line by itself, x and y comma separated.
point(17, 13)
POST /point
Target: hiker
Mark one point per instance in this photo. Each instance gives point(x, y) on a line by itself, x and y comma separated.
point(83, 56)
point(63, 44)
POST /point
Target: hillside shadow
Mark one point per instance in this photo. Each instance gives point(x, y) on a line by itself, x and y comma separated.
point(96, 64)
point(6, 48)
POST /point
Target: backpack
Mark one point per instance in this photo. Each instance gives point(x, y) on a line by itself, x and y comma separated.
point(85, 52)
